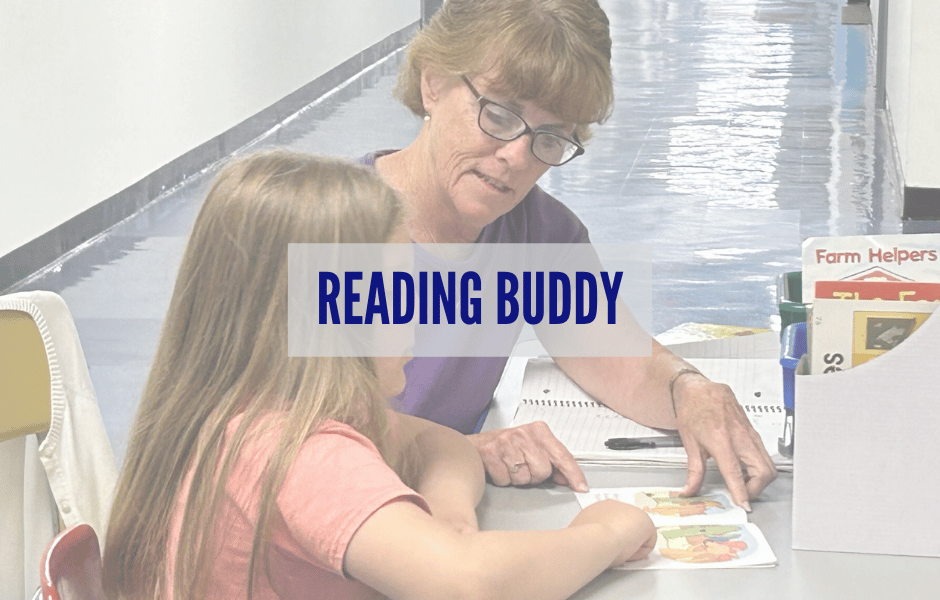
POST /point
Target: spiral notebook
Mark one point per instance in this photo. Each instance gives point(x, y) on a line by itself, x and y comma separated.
point(583, 424)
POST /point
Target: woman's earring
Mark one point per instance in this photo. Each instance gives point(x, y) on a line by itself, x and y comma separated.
point(427, 117)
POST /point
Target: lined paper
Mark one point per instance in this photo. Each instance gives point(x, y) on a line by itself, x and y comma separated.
point(583, 425)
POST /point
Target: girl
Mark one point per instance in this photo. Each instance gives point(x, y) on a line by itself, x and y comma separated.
point(253, 475)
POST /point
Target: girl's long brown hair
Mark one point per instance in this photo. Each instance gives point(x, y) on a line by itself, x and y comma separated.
point(223, 352)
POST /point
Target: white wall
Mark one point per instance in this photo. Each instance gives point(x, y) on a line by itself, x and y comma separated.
point(913, 86)
point(923, 148)
point(100, 93)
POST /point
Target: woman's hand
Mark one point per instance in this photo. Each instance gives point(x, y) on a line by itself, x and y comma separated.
point(631, 526)
point(527, 455)
point(712, 423)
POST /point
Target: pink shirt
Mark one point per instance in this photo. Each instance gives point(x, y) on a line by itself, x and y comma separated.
point(338, 480)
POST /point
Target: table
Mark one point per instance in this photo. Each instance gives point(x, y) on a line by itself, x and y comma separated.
point(798, 574)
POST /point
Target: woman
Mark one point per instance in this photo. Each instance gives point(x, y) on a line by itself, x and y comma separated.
point(507, 90)
point(250, 474)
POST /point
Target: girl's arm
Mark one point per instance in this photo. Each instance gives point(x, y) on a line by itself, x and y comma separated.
point(450, 473)
point(402, 552)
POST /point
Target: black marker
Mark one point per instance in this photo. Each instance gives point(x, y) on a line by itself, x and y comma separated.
point(640, 443)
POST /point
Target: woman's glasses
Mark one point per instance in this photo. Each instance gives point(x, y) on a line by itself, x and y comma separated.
point(503, 124)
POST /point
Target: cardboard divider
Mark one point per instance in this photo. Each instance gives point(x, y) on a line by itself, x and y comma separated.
point(865, 460)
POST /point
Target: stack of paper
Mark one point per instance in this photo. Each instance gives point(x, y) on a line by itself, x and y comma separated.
point(697, 332)
point(583, 425)
point(706, 531)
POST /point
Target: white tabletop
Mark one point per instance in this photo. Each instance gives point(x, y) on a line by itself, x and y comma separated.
point(798, 574)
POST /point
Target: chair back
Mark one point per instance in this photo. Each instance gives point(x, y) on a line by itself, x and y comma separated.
point(71, 566)
point(57, 467)
point(26, 405)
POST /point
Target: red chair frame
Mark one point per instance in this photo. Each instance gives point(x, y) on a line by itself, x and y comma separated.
point(71, 566)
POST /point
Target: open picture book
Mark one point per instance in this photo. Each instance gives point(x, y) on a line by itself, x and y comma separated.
point(704, 531)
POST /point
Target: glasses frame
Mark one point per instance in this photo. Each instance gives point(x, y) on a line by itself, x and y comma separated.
point(484, 101)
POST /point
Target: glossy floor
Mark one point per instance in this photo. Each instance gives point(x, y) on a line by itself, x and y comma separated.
point(741, 127)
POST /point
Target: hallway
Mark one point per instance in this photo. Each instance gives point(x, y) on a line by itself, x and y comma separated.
point(741, 128)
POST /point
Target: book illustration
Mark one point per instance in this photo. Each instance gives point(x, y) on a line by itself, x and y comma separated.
point(872, 258)
point(698, 544)
point(875, 333)
point(879, 290)
point(847, 333)
point(877, 275)
point(880, 332)
point(707, 530)
point(666, 507)
point(669, 503)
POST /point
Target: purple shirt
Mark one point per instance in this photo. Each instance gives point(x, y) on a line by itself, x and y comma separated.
point(455, 391)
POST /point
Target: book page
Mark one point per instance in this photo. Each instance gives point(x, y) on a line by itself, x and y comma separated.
point(666, 507)
point(707, 547)
point(896, 257)
point(705, 531)
point(847, 333)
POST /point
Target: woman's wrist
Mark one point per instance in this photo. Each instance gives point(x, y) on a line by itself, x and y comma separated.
point(683, 372)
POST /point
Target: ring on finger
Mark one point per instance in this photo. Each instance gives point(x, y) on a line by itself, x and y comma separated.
point(515, 468)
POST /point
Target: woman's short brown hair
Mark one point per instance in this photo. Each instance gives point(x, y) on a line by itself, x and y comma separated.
point(555, 53)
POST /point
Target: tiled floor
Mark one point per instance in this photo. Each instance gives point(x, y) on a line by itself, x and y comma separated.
point(741, 128)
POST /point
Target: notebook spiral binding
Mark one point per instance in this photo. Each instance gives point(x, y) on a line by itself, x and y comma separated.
point(569, 403)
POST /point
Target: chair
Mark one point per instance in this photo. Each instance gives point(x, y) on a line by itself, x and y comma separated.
point(71, 566)
point(56, 462)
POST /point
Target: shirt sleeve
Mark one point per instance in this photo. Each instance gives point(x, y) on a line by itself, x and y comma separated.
point(337, 482)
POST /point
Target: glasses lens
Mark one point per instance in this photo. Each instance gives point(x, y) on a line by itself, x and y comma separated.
point(500, 122)
point(552, 149)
